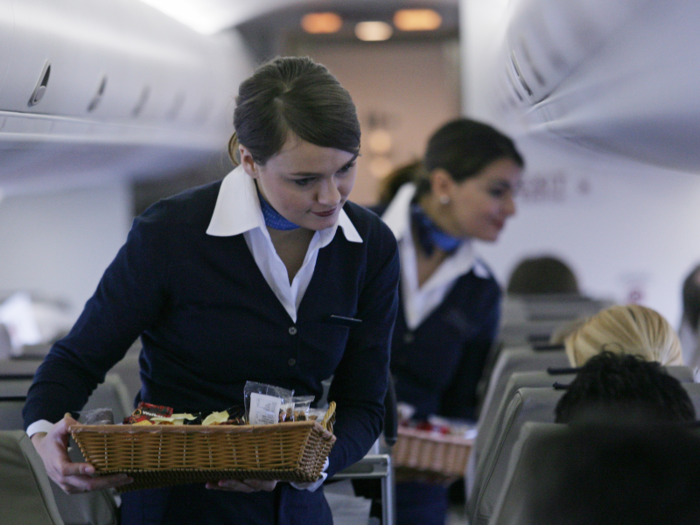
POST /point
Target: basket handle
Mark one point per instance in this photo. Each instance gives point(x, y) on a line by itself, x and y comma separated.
point(329, 418)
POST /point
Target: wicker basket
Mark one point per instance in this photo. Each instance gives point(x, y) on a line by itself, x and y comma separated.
point(429, 453)
point(165, 455)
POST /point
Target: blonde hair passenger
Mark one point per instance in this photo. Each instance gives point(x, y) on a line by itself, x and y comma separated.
point(631, 329)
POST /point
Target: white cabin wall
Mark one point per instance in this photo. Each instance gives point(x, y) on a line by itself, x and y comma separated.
point(57, 244)
point(629, 230)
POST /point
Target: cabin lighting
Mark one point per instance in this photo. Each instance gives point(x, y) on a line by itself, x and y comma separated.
point(379, 141)
point(417, 20)
point(321, 23)
point(373, 31)
point(380, 167)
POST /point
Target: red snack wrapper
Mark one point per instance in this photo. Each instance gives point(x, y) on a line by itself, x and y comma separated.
point(146, 411)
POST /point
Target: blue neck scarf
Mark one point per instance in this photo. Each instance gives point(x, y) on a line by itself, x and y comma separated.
point(272, 218)
point(429, 235)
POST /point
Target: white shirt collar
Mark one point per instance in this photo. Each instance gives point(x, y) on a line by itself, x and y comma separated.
point(420, 302)
point(398, 217)
point(237, 211)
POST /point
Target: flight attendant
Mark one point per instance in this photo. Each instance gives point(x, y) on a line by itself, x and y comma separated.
point(270, 275)
point(449, 301)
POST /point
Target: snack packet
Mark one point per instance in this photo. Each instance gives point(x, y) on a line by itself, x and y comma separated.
point(316, 414)
point(266, 404)
point(302, 404)
point(97, 416)
point(144, 412)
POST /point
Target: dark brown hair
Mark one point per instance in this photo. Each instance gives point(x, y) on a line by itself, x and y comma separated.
point(293, 95)
point(542, 275)
point(462, 147)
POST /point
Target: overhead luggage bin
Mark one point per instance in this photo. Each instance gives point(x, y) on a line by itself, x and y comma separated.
point(109, 86)
point(616, 77)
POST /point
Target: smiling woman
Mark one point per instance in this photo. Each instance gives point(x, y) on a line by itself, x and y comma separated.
point(449, 308)
point(240, 280)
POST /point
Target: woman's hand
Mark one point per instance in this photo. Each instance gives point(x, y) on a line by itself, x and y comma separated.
point(72, 477)
point(246, 485)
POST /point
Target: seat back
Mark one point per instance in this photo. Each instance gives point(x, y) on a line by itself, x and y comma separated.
point(97, 507)
point(693, 390)
point(528, 404)
point(18, 366)
point(11, 412)
point(533, 444)
point(527, 332)
point(684, 374)
point(25, 494)
point(15, 385)
point(111, 394)
point(548, 378)
point(92, 508)
point(538, 307)
point(550, 478)
point(511, 360)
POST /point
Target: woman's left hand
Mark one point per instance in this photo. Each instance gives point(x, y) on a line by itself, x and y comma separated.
point(246, 485)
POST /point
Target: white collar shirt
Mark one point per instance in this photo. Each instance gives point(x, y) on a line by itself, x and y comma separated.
point(237, 211)
point(420, 301)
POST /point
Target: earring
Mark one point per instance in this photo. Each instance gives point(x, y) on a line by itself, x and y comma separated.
point(444, 199)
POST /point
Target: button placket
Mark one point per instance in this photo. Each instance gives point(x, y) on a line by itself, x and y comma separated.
point(292, 331)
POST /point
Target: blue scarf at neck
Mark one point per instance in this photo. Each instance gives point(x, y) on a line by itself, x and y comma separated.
point(272, 218)
point(429, 235)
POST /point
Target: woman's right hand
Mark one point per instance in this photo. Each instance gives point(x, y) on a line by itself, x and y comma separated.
point(73, 478)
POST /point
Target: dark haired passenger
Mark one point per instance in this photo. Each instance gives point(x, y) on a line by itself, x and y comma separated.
point(689, 331)
point(449, 309)
point(607, 474)
point(542, 275)
point(237, 280)
point(624, 387)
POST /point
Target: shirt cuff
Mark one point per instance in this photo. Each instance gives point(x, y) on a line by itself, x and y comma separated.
point(311, 487)
point(39, 426)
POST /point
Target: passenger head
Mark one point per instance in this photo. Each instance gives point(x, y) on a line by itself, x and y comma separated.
point(691, 298)
point(466, 180)
point(631, 329)
point(612, 387)
point(542, 275)
point(293, 96)
point(610, 475)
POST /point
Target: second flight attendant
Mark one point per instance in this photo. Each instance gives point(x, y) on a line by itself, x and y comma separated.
point(450, 302)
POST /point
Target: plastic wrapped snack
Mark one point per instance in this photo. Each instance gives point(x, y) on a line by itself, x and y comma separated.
point(267, 404)
point(302, 404)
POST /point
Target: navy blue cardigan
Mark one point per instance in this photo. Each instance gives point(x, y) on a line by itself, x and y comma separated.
point(209, 322)
point(437, 367)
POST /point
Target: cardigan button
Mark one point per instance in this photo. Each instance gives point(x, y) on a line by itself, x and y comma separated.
point(292, 330)
point(292, 362)
point(408, 337)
